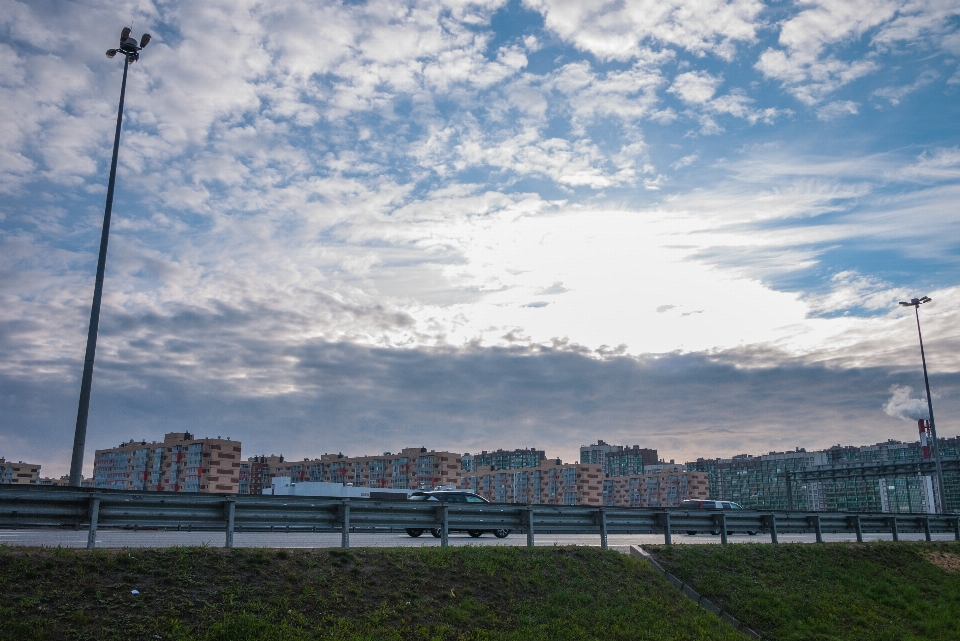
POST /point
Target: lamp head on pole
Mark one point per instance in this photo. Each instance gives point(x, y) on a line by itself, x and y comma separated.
point(916, 302)
point(128, 45)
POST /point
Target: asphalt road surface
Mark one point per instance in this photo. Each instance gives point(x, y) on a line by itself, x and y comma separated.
point(622, 542)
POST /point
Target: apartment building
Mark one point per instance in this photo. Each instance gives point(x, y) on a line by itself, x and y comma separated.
point(550, 483)
point(18, 473)
point(556, 483)
point(133, 465)
point(761, 482)
point(662, 489)
point(63, 481)
point(630, 461)
point(181, 463)
point(504, 459)
point(258, 471)
point(411, 468)
point(618, 460)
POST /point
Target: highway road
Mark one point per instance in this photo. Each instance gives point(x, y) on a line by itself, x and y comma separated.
point(622, 542)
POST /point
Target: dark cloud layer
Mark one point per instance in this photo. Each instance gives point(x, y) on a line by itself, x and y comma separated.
point(362, 400)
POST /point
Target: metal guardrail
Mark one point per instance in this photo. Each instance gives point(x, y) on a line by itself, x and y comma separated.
point(28, 507)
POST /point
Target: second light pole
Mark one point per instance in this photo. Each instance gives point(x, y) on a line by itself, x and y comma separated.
point(915, 303)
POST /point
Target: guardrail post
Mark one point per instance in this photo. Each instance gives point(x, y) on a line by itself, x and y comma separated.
point(530, 527)
point(345, 524)
point(816, 527)
point(444, 530)
point(667, 538)
point(231, 511)
point(926, 528)
point(956, 528)
point(723, 528)
point(602, 522)
point(893, 529)
point(94, 517)
point(789, 492)
point(859, 528)
point(772, 519)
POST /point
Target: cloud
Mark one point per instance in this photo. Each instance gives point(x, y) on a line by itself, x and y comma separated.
point(812, 81)
point(686, 161)
point(802, 66)
point(902, 406)
point(933, 165)
point(819, 51)
point(695, 87)
point(628, 94)
point(698, 88)
point(895, 94)
point(556, 288)
point(622, 30)
point(838, 109)
point(849, 290)
point(364, 400)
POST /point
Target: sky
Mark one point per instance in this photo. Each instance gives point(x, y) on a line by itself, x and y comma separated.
point(361, 226)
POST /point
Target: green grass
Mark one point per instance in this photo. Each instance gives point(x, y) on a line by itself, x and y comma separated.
point(378, 594)
point(871, 591)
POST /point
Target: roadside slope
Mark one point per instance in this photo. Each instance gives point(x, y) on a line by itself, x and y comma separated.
point(868, 591)
point(408, 593)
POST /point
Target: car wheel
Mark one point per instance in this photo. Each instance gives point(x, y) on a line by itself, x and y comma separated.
point(752, 532)
point(414, 532)
point(435, 532)
point(501, 534)
point(691, 532)
point(729, 532)
point(715, 532)
point(475, 533)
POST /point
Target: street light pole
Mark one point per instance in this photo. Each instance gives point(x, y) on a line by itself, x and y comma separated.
point(131, 53)
point(941, 494)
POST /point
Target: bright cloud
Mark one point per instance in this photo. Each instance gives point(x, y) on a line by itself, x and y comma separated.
point(622, 30)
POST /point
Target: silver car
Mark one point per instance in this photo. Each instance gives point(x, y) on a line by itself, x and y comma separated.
point(710, 504)
point(453, 496)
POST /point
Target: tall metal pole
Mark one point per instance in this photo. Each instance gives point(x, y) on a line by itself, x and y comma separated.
point(80, 436)
point(941, 495)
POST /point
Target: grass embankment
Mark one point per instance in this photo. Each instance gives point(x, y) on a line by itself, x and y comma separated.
point(412, 593)
point(869, 591)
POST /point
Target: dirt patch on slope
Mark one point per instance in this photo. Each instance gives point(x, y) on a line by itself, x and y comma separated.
point(945, 560)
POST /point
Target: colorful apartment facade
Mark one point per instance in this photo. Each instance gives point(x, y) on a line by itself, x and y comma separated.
point(550, 483)
point(667, 488)
point(411, 468)
point(181, 463)
point(18, 473)
point(556, 483)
